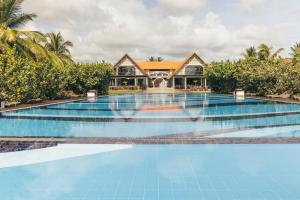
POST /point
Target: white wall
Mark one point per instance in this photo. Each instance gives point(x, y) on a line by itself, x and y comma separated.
point(193, 62)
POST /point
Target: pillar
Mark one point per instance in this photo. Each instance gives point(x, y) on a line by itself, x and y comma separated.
point(147, 83)
point(173, 82)
point(185, 83)
point(116, 81)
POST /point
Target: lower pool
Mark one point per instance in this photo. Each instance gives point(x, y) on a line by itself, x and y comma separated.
point(170, 172)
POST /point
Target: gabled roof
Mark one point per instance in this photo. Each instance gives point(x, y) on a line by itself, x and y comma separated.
point(126, 56)
point(191, 57)
point(164, 65)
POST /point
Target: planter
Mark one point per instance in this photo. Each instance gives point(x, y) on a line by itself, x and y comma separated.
point(239, 93)
point(92, 94)
point(2, 104)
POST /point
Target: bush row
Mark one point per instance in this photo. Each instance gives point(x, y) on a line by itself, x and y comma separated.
point(261, 77)
point(22, 79)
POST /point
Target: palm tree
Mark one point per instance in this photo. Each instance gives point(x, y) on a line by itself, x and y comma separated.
point(155, 59)
point(11, 19)
point(250, 52)
point(295, 52)
point(265, 52)
point(57, 45)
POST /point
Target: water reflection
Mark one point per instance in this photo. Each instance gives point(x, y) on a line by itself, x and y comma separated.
point(142, 115)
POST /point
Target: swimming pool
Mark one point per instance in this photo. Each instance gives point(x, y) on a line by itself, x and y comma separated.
point(141, 115)
point(164, 172)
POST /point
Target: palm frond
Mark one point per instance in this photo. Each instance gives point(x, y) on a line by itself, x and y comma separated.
point(20, 20)
point(274, 55)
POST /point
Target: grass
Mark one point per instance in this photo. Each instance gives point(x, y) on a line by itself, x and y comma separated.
point(123, 91)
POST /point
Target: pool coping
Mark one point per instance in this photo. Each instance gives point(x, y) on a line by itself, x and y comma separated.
point(152, 140)
point(41, 104)
point(46, 103)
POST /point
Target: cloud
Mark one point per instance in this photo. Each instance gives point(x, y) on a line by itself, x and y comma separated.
point(179, 6)
point(106, 29)
point(252, 5)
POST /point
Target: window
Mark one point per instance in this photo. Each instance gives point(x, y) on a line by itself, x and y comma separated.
point(126, 81)
point(126, 71)
point(194, 70)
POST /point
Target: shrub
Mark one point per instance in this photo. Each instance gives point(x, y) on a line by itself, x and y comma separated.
point(256, 76)
point(221, 76)
point(22, 79)
point(82, 77)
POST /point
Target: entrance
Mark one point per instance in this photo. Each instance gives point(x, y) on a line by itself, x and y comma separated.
point(160, 82)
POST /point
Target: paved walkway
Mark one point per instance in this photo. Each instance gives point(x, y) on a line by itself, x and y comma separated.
point(163, 90)
point(146, 140)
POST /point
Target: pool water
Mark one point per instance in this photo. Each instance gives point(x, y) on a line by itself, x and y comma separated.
point(162, 172)
point(141, 115)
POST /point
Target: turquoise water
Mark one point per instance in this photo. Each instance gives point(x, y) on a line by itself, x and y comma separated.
point(163, 172)
point(140, 115)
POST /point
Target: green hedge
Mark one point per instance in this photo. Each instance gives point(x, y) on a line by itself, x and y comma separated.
point(262, 77)
point(82, 77)
point(23, 80)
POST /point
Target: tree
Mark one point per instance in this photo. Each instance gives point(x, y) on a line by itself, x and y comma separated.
point(11, 19)
point(22, 79)
point(155, 59)
point(57, 45)
point(250, 52)
point(295, 53)
point(81, 77)
point(265, 52)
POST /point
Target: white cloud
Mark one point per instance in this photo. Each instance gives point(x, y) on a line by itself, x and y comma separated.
point(252, 5)
point(180, 6)
point(106, 29)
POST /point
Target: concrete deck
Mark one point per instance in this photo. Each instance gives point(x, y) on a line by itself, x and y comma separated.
point(163, 91)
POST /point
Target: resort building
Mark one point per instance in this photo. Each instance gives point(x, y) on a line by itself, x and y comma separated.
point(175, 74)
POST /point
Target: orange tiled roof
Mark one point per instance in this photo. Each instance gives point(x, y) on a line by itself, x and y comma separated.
point(167, 65)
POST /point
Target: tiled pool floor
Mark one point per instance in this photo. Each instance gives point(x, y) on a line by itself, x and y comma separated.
point(164, 172)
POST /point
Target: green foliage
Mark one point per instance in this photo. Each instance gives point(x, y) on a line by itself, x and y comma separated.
point(295, 53)
point(261, 71)
point(82, 77)
point(250, 53)
point(155, 59)
point(60, 47)
point(256, 76)
point(22, 79)
point(221, 76)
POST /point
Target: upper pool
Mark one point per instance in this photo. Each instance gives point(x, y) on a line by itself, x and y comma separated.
point(139, 115)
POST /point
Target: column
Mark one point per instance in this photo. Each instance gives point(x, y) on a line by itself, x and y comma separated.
point(205, 82)
point(135, 82)
point(185, 82)
point(147, 82)
point(173, 82)
point(116, 81)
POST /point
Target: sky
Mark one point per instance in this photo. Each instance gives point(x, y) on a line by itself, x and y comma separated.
point(172, 29)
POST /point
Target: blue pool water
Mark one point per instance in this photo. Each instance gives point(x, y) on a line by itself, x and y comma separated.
point(140, 115)
point(162, 172)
